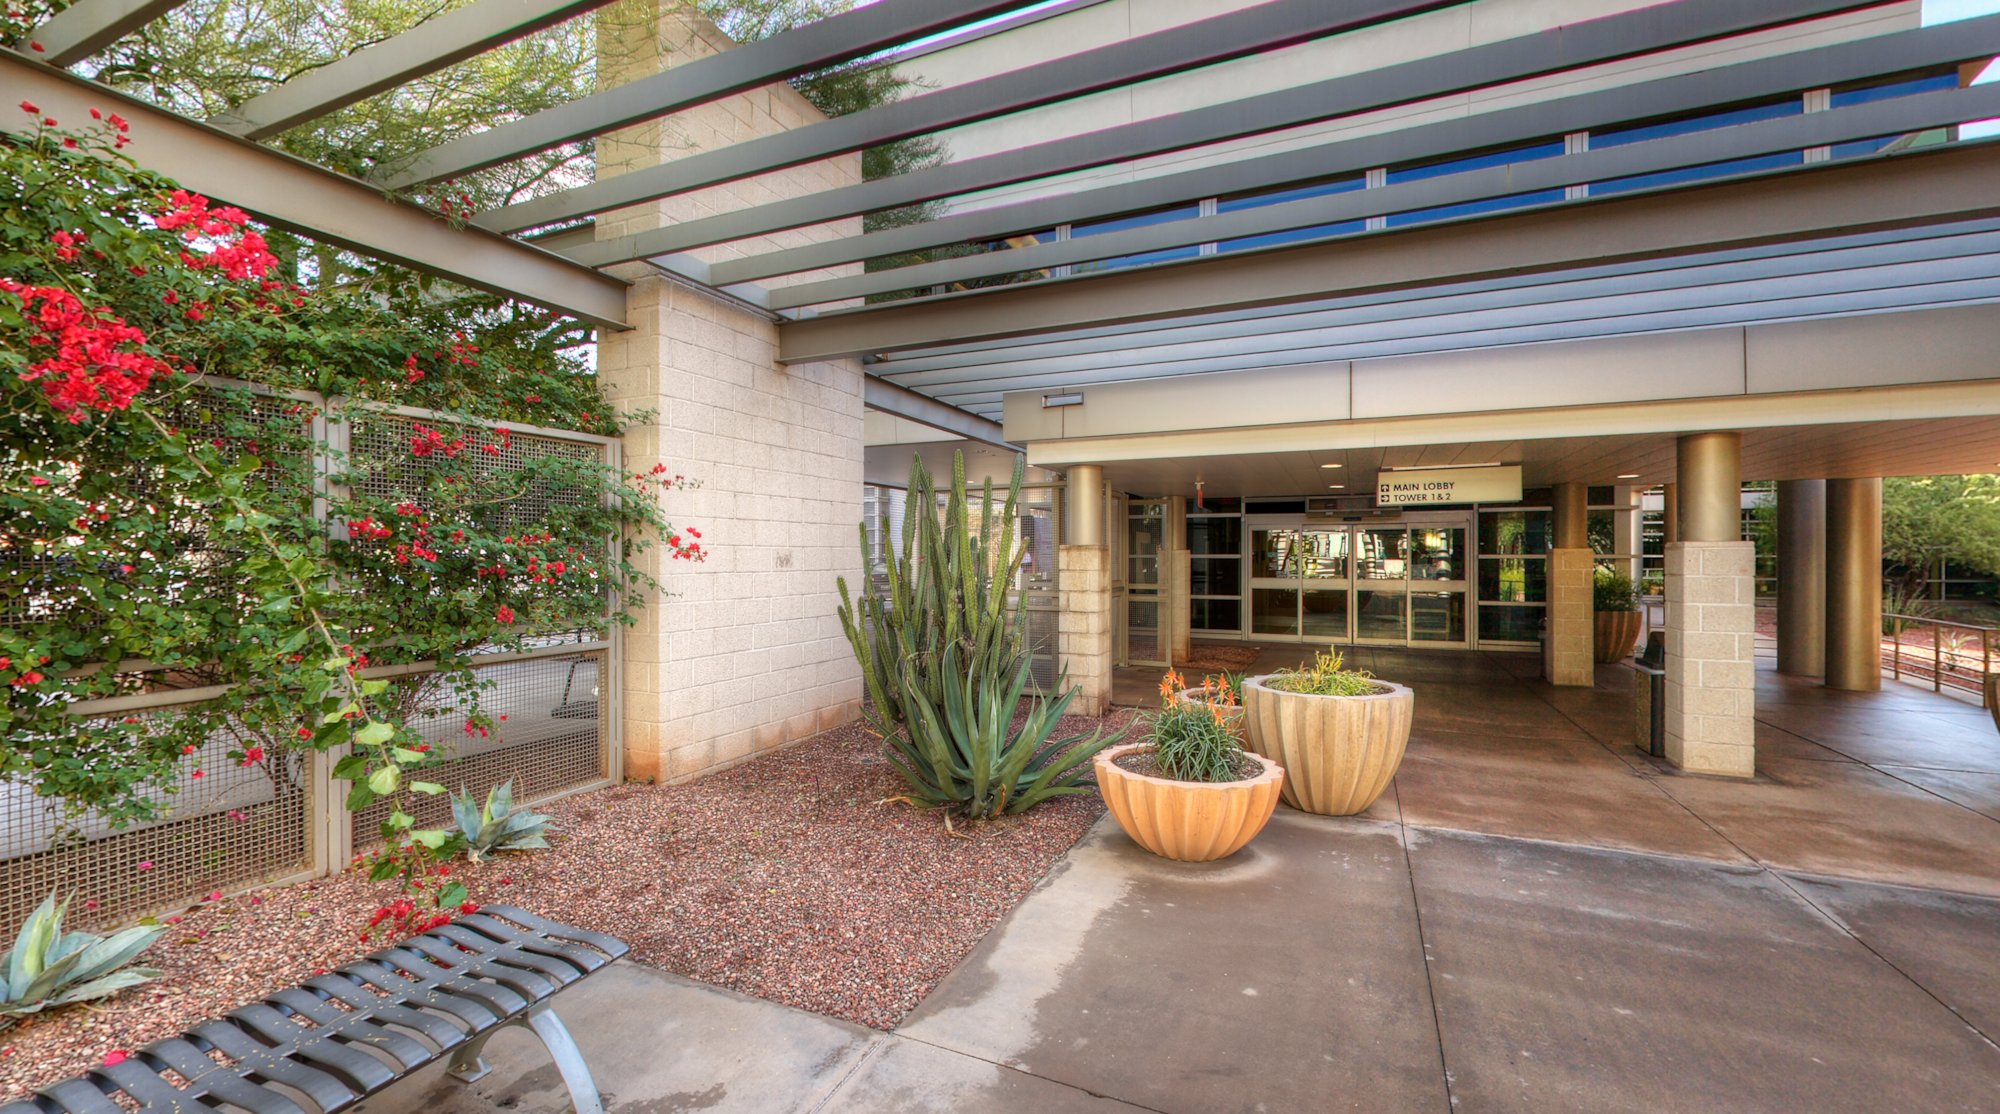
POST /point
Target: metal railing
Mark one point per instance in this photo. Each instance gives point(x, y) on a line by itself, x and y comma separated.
point(1959, 657)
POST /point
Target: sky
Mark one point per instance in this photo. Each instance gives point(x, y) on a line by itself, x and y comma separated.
point(1945, 11)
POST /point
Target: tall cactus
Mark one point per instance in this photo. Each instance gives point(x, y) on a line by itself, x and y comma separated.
point(947, 666)
point(947, 586)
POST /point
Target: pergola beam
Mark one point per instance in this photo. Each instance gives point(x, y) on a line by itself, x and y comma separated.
point(1930, 186)
point(1743, 81)
point(319, 203)
point(1792, 133)
point(1593, 42)
point(840, 38)
point(88, 26)
point(890, 398)
point(426, 48)
point(1253, 331)
point(1267, 26)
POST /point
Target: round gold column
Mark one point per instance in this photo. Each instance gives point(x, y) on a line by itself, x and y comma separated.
point(1854, 585)
point(1670, 512)
point(1802, 577)
point(1709, 475)
point(1083, 496)
point(1570, 528)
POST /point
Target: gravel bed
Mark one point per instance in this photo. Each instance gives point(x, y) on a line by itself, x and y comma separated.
point(791, 877)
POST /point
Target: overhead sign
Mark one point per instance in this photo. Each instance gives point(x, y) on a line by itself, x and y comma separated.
point(1413, 487)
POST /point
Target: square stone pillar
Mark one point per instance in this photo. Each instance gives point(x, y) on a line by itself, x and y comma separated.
point(1084, 625)
point(1711, 670)
point(1566, 651)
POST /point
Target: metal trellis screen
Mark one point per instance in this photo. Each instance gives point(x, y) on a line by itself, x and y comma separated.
point(552, 726)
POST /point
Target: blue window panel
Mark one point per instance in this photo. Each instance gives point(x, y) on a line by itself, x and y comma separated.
point(1547, 150)
point(1841, 98)
point(1696, 173)
point(1271, 239)
point(1137, 220)
point(1752, 114)
point(1862, 146)
point(1469, 208)
point(1279, 197)
point(1161, 256)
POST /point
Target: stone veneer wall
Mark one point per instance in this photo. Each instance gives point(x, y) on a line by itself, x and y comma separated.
point(1567, 654)
point(1084, 625)
point(744, 652)
point(1711, 668)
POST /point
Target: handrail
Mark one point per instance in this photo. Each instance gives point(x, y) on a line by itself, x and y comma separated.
point(1947, 667)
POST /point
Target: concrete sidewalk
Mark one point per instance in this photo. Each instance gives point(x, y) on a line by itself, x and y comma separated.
point(1536, 918)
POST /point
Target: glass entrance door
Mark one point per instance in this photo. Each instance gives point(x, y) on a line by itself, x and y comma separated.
point(1399, 585)
point(1145, 596)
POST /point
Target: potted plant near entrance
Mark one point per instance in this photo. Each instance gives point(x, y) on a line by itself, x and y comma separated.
point(1339, 733)
point(1190, 792)
point(1619, 619)
point(1221, 693)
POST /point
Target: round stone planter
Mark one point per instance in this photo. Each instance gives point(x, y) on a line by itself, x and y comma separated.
point(1615, 635)
point(1339, 752)
point(1191, 821)
point(1231, 716)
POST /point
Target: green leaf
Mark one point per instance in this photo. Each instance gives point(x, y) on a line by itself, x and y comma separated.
point(427, 788)
point(383, 781)
point(432, 838)
point(375, 733)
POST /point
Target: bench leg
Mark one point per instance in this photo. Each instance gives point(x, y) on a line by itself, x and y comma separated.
point(468, 1065)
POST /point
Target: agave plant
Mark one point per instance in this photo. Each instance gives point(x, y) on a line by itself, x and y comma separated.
point(966, 755)
point(48, 967)
point(497, 827)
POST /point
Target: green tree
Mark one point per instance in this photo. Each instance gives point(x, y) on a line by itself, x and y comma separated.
point(1928, 519)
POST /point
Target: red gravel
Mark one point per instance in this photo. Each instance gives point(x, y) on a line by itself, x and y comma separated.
point(790, 877)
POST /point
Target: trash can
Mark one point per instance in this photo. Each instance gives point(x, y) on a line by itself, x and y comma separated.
point(1650, 680)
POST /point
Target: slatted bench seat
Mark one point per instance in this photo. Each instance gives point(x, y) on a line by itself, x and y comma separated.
point(340, 1037)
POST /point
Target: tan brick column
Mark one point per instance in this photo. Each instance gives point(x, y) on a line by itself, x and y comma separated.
point(1180, 615)
point(1711, 670)
point(1567, 654)
point(1085, 625)
point(743, 652)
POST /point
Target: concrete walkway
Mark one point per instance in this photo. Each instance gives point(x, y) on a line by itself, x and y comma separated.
point(1537, 918)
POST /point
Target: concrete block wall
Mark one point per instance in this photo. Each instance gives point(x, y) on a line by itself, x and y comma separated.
point(743, 652)
point(1084, 625)
point(1567, 653)
point(1711, 668)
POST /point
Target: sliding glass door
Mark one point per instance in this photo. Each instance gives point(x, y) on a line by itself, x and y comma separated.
point(1402, 584)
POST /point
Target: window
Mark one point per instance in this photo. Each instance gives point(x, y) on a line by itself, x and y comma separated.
point(1513, 573)
point(1280, 197)
point(1137, 220)
point(1215, 568)
point(1546, 150)
point(1619, 137)
point(1882, 91)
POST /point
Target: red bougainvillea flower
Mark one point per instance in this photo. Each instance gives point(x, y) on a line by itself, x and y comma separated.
point(198, 774)
point(253, 756)
point(305, 732)
point(100, 362)
point(505, 614)
point(39, 481)
point(116, 1057)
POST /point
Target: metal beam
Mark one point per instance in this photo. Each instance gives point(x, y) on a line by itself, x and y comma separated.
point(1268, 332)
point(1784, 299)
point(1782, 74)
point(1930, 186)
point(426, 48)
point(88, 26)
point(320, 203)
point(1596, 41)
point(889, 398)
point(1793, 133)
point(839, 38)
point(1267, 26)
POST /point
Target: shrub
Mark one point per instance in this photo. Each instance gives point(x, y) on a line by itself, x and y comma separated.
point(1326, 676)
point(946, 665)
point(1612, 590)
point(48, 967)
point(1192, 740)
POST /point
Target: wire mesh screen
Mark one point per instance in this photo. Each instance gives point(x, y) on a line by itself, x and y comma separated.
point(554, 736)
point(229, 826)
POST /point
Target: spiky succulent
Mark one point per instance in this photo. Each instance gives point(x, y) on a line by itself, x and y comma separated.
point(48, 967)
point(497, 827)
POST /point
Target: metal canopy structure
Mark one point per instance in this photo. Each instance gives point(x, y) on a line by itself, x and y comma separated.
point(1533, 186)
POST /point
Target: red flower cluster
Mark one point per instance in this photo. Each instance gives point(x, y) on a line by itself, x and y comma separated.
point(100, 362)
point(505, 614)
point(245, 256)
point(428, 441)
point(367, 528)
point(689, 550)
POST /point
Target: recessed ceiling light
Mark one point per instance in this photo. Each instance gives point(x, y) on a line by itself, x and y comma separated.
point(1336, 487)
point(1333, 466)
point(1629, 476)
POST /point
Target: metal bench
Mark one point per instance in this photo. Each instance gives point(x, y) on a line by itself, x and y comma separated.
point(345, 1035)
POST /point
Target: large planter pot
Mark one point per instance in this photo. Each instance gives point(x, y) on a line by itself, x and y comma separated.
point(1231, 716)
point(1617, 632)
point(1339, 752)
point(1191, 821)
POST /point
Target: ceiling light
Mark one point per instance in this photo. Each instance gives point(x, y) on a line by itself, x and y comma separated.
point(1336, 487)
point(1433, 467)
point(1629, 476)
point(1333, 466)
point(1071, 398)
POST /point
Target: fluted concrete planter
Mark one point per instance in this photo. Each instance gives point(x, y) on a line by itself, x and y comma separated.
point(1231, 716)
point(1339, 752)
point(1192, 821)
point(1616, 633)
